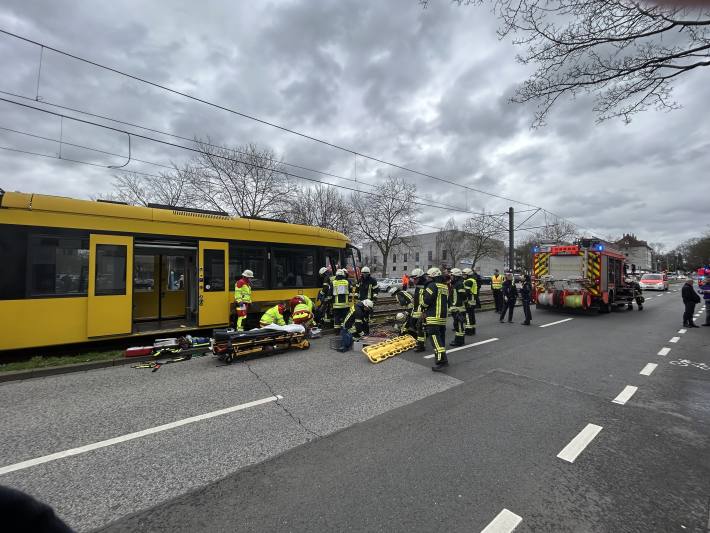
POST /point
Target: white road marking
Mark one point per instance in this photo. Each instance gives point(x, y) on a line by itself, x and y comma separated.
point(649, 298)
point(674, 339)
point(664, 351)
point(431, 355)
point(577, 445)
point(505, 522)
point(558, 322)
point(625, 395)
point(681, 331)
point(130, 436)
point(648, 369)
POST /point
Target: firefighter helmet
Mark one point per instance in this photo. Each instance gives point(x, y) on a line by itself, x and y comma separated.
point(433, 272)
point(417, 272)
point(399, 317)
point(467, 271)
point(365, 270)
point(456, 272)
point(247, 274)
point(368, 303)
point(323, 270)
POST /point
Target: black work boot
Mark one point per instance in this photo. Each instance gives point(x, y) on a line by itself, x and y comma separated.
point(420, 347)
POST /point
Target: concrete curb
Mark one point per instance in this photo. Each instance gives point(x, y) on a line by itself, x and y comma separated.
point(19, 375)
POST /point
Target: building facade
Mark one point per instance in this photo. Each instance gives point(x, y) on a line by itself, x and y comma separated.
point(638, 253)
point(425, 251)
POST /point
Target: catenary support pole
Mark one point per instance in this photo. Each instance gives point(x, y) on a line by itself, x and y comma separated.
point(511, 240)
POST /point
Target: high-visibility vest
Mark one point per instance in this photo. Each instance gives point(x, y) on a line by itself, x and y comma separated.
point(457, 297)
point(302, 314)
point(272, 316)
point(242, 292)
point(497, 282)
point(471, 288)
point(307, 301)
point(341, 293)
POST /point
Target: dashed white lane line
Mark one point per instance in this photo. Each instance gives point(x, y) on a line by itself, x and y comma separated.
point(505, 522)
point(577, 445)
point(649, 298)
point(558, 322)
point(681, 331)
point(674, 339)
point(130, 436)
point(664, 351)
point(431, 355)
point(625, 395)
point(648, 369)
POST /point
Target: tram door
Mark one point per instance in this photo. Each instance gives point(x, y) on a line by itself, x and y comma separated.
point(110, 285)
point(160, 285)
point(213, 283)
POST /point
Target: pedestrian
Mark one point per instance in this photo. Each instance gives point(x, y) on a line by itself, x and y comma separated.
point(706, 295)
point(405, 281)
point(471, 286)
point(497, 287)
point(242, 298)
point(526, 297)
point(690, 298)
point(356, 324)
point(509, 296)
point(435, 299)
point(420, 281)
point(366, 288)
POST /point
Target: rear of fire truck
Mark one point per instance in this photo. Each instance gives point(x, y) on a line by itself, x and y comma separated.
point(586, 276)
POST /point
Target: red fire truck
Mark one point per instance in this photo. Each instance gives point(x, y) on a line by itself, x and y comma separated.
point(588, 275)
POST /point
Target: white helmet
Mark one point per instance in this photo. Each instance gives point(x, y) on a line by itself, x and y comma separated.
point(341, 272)
point(323, 270)
point(365, 270)
point(399, 317)
point(368, 303)
point(456, 272)
point(466, 271)
point(247, 274)
point(433, 272)
point(417, 272)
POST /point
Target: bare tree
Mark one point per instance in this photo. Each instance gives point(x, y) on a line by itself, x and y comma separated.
point(451, 240)
point(321, 206)
point(484, 234)
point(386, 219)
point(167, 188)
point(560, 230)
point(243, 181)
point(627, 53)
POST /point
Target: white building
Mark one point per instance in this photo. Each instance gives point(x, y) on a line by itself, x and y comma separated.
point(637, 252)
point(424, 251)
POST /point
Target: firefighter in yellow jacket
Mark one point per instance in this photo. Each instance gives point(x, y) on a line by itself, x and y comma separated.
point(340, 288)
point(242, 297)
point(471, 286)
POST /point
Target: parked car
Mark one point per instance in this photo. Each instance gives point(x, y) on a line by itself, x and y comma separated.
point(657, 282)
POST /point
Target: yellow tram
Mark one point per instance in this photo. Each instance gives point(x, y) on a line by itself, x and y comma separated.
point(75, 270)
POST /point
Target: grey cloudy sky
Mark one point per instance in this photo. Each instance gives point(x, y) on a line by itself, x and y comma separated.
point(428, 89)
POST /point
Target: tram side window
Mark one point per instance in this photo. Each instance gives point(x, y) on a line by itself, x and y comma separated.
point(214, 270)
point(110, 269)
point(58, 265)
point(13, 262)
point(252, 258)
point(293, 268)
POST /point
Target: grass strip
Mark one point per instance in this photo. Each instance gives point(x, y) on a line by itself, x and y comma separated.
point(41, 361)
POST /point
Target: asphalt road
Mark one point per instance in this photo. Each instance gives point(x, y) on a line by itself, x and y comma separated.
point(391, 447)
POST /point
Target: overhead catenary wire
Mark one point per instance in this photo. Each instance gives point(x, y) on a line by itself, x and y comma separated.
point(202, 143)
point(259, 120)
point(191, 149)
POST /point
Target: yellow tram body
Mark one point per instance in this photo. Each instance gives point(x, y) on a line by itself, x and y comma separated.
point(73, 271)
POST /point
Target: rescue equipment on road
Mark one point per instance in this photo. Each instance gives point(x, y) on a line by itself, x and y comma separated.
point(389, 348)
point(229, 344)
